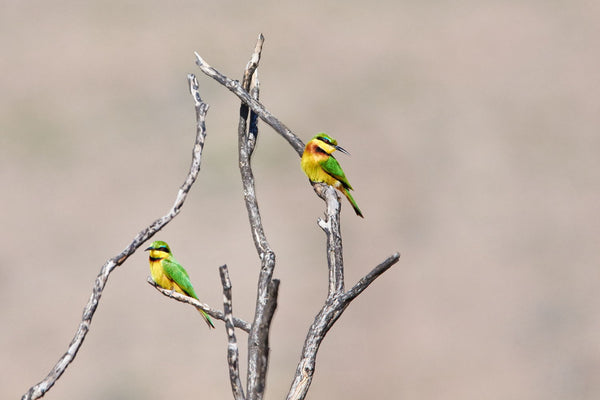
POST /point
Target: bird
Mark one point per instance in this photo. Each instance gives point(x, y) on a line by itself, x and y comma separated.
point(320, 165)
point(170, 275)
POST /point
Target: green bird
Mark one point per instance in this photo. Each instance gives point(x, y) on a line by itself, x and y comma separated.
point(170, 275)
point(320, 165)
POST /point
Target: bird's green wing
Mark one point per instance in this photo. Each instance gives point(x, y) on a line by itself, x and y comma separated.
point(179, 275)
point(332, 167)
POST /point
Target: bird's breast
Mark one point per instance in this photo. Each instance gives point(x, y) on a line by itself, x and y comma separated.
point(158, 275)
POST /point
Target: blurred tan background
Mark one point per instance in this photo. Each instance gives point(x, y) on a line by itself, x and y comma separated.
point(473, 128)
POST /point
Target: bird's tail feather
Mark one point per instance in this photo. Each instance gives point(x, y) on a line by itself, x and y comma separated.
point(354, 205)
point(206, 318)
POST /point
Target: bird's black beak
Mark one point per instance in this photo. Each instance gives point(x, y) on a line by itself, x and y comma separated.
point(149, 248)
point(340, 148)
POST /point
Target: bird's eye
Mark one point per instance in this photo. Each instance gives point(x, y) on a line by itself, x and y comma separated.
point(163, 248)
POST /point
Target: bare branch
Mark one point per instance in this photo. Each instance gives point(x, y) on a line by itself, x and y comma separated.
point(255, 105)
point(250, 83)
point(266, 299)
point(238, 323)
point(38, 390)
point(272, 293)
point(331, 226)
point(334, 307)
point(327, 316)
point(337, 300)
point(364, 283)
point(232, 347)
point(253, 122)
point(258, 234)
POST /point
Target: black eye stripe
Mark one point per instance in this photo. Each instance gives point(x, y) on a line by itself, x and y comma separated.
point(320, 150)
point(163, 248)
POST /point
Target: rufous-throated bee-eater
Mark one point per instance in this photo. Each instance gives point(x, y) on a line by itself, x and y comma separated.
point(170, 275)
point(321, 166)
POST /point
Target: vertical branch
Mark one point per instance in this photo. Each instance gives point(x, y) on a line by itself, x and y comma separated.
point(232, 347)
point(38, 390)
point(333, 307)
point(250, 83)
point(266, 299)
point(258, 234)
point(253, 124)
point(332, 229)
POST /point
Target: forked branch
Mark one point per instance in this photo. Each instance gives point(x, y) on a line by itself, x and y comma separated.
point(38, 390)
point(236, 88)
point(337, 299)
point(266, 302)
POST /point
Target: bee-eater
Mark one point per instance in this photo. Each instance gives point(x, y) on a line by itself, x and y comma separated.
point(320, 165)
point(170, 275)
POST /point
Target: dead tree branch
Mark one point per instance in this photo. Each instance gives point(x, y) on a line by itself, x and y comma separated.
point(220, 315)
point(233, 356)
point(38, 390)
point(267, 289)
point(236, 88)
point(337, 299)
point(266, 298)
point(250, 83)
point(331, 227)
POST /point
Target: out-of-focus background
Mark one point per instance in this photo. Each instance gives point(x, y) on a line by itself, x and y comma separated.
point(474, 133)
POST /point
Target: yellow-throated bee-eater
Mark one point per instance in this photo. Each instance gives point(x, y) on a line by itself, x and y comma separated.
point(170, 275)
point(321, 166)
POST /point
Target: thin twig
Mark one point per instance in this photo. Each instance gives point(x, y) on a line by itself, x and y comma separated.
point(255, 105)
point(38, 390)
point(233, 356)
point(238, 323)
point(364, 282)
point(266, 298)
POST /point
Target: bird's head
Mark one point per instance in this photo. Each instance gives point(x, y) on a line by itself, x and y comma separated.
point(159, 249)
point(327, 143)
